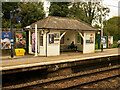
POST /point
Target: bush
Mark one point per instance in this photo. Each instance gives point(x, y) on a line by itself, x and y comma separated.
point(115, 45)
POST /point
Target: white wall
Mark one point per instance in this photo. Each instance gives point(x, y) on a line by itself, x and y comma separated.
point(69, 35)
point(88, 47)
point(52, 49)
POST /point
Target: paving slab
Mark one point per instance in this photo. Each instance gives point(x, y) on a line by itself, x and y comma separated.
point(31, 60)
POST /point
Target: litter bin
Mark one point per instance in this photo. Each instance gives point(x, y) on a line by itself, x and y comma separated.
point(20, 52)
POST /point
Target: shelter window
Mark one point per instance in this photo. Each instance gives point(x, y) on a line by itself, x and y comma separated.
point(31, 38)
point(51, 38)
point(78, 38)
point(41, 40)
point(81, 40)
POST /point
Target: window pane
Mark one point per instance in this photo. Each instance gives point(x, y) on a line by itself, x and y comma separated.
point(78, 38)
point(41, 40)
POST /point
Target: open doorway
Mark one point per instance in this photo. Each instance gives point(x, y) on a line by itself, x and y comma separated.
point(67, 41)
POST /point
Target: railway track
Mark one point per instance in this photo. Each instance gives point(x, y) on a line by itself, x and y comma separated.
point(70, 81)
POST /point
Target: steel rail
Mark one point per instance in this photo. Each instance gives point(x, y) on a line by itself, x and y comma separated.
point(60, 78)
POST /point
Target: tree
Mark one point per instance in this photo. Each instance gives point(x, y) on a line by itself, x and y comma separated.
point(112, 28)
point(6, 8)
point(88, 11)
point(59, 9)
point(30, 12)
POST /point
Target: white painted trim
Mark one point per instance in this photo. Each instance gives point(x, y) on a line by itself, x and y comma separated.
point(62, 35)
point(81, 35)
point(38, 41)
point(54, 62)
point(29, 41)
point(35, 39)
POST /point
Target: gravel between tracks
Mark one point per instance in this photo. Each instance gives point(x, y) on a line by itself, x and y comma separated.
point(109, 83)
point(56, 78)
point(80, 80)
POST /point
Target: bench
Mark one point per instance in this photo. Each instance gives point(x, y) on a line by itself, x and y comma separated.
point(72, 47)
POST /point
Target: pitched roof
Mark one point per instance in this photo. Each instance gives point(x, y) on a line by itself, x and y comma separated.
point(62, 23)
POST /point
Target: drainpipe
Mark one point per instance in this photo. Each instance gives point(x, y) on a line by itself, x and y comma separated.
point(46, 41)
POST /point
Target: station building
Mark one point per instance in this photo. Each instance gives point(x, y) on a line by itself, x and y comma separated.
point(53, 35)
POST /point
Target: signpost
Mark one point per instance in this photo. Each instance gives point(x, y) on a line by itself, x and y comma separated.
point(14, 19)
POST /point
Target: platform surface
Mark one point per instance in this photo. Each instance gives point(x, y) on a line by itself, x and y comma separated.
point(31, 60)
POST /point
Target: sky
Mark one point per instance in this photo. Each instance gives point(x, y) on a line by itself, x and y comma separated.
point(114, 7)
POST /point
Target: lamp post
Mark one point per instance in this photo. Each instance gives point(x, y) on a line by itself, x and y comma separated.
point(11, 30)
point(14, 19)
point(99, 40)
point(101, 18)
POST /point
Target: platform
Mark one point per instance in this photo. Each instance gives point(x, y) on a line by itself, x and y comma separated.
point(31, 60)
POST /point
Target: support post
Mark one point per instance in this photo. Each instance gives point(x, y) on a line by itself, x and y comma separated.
point(29, 41)
point(35, 39)
point(99, 40)
point(101, 18)
point(47, 42)
point(14, 19)
point(11, 27)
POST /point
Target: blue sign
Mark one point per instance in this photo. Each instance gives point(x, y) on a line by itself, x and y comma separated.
point(5, 40)
point(104, 41)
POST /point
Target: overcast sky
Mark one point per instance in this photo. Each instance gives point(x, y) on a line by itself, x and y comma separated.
point(113, 5)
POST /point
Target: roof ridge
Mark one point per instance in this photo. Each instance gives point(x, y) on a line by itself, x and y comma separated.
point(46, 21)
point(62, 17)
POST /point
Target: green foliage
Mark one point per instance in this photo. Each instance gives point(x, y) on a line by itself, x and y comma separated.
point(115, 45)
point(85, 11)
point(112, 28)
point(88, 11)
point(97, 26)
point(96, 46)
point(59, 9)
point(30, 12)
point(5, 23)
point(78, 38)
point(7, 7)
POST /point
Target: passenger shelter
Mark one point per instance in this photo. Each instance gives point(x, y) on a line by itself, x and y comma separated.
point(52, 35)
